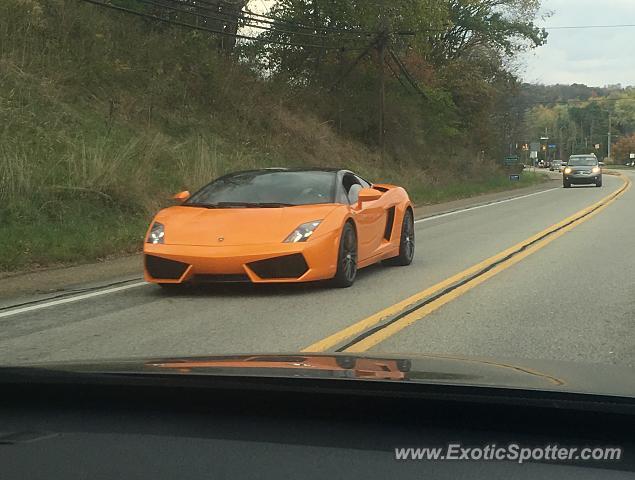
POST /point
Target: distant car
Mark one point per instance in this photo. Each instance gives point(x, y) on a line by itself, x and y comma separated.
point(280, 225)
point(582, 169)
point(541, 164)
point(555, 165)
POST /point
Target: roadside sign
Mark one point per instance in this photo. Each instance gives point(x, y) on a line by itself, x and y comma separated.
point(511, 160)
point(534, 146)
point(632, 155)
point(533, 154)
point(514, 178)
point(552, 145)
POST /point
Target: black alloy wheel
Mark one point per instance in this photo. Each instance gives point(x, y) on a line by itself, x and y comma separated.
point(407, 243)
point(346, 258)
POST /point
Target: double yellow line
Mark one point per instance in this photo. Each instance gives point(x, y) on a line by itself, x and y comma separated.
point(498, 263)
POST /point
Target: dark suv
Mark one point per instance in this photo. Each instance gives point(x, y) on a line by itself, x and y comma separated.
point(582, 169)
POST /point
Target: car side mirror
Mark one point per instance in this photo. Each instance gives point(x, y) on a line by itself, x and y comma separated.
point(368, 195)
point(564, 164)
point(601, 164)
point(182, 196)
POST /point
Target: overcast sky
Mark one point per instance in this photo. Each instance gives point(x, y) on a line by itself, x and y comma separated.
point(595, 57)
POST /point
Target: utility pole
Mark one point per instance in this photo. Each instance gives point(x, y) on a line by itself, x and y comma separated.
point(383, 40)
point(609, 140)
point(382, 92)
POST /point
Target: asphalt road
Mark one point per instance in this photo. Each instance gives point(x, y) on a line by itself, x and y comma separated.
point(571, 299)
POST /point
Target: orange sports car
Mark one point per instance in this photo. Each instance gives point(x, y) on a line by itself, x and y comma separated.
point(280, 225)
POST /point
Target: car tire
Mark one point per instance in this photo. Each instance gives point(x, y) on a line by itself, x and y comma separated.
point(346, 258)
point(406, 244)
point(566, 184)
point(598, 183)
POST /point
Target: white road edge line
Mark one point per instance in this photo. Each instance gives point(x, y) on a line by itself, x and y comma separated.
point(490, 204)
point(76, 298)
point(61, 301)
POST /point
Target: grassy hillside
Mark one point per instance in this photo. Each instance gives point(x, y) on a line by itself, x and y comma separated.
point(103, 116)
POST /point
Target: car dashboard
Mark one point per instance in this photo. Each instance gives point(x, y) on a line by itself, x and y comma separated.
point(159, 427)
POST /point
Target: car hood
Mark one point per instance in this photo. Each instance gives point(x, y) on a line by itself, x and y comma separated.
point(539, 375)
point(236, 226)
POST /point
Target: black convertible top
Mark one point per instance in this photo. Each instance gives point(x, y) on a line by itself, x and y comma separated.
point(286, 169)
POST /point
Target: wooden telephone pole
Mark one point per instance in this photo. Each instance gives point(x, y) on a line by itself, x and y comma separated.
point(382, 45)
point(608, 148)
point(382, 93)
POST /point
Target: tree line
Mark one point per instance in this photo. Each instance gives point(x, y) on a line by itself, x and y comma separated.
point(577, 119)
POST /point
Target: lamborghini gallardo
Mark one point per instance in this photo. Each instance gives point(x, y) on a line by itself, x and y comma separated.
point(280, 225)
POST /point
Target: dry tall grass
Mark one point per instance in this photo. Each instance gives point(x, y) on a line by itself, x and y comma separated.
point(104, 116)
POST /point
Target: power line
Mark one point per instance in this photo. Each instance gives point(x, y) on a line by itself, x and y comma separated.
point(247, 15)
point(448, 27)
point(397, 76)
point(215, 17)
point(350, 30)
point(363, 53)
point(590, 100)
point(576, 27)
point(277, 20)
point(211, 30)
point(407, 74)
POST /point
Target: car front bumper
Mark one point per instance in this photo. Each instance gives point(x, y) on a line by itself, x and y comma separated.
point(582, 179)
point(308, 261)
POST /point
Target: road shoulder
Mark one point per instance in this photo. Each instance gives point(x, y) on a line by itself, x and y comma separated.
point(424, 211)
point(58, 279)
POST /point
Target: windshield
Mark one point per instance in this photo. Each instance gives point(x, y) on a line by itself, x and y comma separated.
point(582, 161)
point(268, 187)
point(185, 178)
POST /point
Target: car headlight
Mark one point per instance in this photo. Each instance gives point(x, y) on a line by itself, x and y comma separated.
point(157, 233)
point(567, 170)
point(303, 232)
point(596, 170)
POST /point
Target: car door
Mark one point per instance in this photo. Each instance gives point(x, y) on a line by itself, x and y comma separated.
point(369, 218)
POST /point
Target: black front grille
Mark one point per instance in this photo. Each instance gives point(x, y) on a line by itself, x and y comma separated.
point(163, 268)
point(221, 278)
point(287, 266)
point(390, 220)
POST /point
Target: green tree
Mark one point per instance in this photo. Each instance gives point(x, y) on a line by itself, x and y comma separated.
point(446, 65)
point(623, 148)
